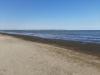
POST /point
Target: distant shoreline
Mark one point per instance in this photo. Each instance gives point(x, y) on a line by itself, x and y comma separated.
point(87, 48)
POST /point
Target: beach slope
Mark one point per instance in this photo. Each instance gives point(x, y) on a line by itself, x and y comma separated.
point(20, 57)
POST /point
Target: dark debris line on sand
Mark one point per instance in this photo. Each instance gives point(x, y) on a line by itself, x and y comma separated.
point(88, 48)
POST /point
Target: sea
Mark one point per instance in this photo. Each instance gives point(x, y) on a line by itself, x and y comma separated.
point(85, 36)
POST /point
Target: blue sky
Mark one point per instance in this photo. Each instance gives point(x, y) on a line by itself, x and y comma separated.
point(50, 14)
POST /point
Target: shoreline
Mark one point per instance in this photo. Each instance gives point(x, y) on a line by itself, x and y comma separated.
point(23, 57)
point(87, 48)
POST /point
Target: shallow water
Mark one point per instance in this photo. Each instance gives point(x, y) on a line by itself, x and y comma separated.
point(92, 36)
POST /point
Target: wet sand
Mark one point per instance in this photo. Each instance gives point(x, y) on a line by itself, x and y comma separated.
point(20, 57)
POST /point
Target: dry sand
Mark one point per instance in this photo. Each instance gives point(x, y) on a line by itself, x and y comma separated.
point(20, 57)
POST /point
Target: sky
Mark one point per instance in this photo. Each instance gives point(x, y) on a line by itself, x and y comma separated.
point(50, 14)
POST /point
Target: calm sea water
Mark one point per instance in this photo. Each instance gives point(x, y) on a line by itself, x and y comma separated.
point(81, 35)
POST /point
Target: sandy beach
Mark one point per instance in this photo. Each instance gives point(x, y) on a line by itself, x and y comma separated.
point(20, 57)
